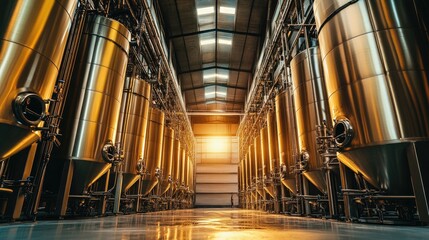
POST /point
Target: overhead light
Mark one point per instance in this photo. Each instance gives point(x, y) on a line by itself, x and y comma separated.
point(225, 41)
point(221, 93)
point(205, 11)
point(216, 75)
point(207, 41)
point(227, 10)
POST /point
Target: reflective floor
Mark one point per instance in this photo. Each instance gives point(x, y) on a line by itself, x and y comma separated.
point(206, 224)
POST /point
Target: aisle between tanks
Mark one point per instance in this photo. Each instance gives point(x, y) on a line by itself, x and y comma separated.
point(207, 224)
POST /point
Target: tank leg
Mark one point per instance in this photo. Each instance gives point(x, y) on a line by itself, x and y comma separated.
point(24, 162)
point(332, 193)
point(347, 178)
point(418, 160)
point(276, 198)
point(305, 191)
point(103, 199)
point(118, 192)
point(283, 195)
point(64, 190)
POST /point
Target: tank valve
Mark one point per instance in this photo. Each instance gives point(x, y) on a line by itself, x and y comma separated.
point(140, 167)
point(158, 173)
point(305, 158)
point(343, 133)
point(109, 152)
point(29, 108)
point(283, 169)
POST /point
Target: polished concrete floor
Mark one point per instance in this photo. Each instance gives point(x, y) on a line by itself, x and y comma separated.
point(206, 224)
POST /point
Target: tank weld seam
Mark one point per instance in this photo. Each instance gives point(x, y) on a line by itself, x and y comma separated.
point(355, 82)
point(334, 13)
point(33, 50)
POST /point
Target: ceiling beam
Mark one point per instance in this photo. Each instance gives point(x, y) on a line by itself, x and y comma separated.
point(216, 31)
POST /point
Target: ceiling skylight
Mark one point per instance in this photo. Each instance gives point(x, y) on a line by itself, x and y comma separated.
point(205, 11)
point(225, 41)
point(215, 92)
point(216, 75)
point(207, 41)
point(227, 10)
point(213, 41)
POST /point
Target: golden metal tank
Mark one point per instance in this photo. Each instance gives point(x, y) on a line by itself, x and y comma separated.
point(33, 36)
point(311, 109)
point(251, 168)
point(286, 138)
point(258, 161)
point(153, 152)
point(186, 170)
point(94, 100)
point(191, 173)
point(376, 59)
point(267, 166)
point(182, 168)
point(177, 153)
point(167, 159)
point(132, 128)
point(245, 175)
point(273, 144)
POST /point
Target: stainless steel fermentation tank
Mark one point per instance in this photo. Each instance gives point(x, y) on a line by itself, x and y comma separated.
point(311, 109)
point(186, 170)
point(191, 173)
point(153, 152)
point(93, 103)
point(246, 177)
point(33, 36)
point(177, 153)
point(251, 172)
point(258, 163)
point(167, 159)
point(182, 165)
point(286, 136)
point(241, 179)
point(375, 60)
point(132, 126)
point(267, 165)
point(273, 149)
point(247, 180)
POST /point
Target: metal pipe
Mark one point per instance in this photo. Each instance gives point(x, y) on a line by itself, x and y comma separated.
point(118, 192)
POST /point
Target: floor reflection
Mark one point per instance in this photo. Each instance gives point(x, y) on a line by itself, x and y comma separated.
point(222, 224)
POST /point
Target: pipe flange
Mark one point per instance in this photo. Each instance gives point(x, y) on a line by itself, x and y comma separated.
point(140, 167)
point(343, 133)
point(29, 108)
point(109, 152)
point(305, 158)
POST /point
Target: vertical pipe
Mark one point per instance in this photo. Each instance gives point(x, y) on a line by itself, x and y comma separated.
point(118, 192)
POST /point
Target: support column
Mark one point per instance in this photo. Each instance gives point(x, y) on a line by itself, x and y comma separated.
point(332, 192)
point(23, 162)
point(347, 179)
point(418, 160)
point(104, 197)
point(64, 189)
